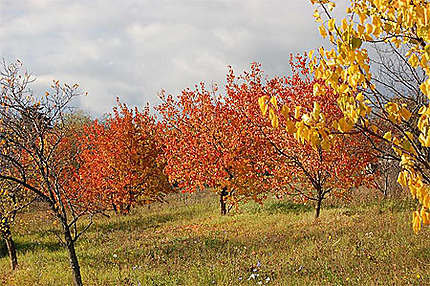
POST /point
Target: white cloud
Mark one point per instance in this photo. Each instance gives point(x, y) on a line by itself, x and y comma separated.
point(134, 48)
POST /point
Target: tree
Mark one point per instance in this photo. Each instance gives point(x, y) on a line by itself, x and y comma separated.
point(386, 168)
point(122, 162)
point(312, 171)
point(209, 144)
point(354, 74)
point(36, 153)
point(13, 198)
point(223, 142)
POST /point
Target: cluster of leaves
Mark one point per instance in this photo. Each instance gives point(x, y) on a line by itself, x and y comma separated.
point(402, 24)
point(121, 163)
point(365, 99)
point(314, 164)
point(223, 142)
point(210, 144)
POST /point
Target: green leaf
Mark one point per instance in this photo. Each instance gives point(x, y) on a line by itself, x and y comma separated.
point(356, 43)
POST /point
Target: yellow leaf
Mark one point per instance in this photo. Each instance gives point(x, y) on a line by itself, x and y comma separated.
point(271, 113)
point(275, 121)
point(426, 201)
point(416, 222)
point(322, 31)
point(345, 125)
point(285, 111)
point(290, 127)
point(405, 113)
point(388, 136)
point(297, 112)
point(344, 24)
point(274, 102)
point(425, 87)
point(331, 24)
point(263, 106)
point(311, 53)
point(316, 89)
point(369, 28)
point(426, 142)
point(325, 144)
point(401, 179)
point(413, 60)
point(424, 216)
point(314, 139)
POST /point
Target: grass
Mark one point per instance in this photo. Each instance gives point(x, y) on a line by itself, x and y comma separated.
point(189, 243)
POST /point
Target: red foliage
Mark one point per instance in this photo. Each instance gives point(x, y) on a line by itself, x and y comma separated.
point(314, 173)
point(224, 143)
point(211, 144)
point(121, 163)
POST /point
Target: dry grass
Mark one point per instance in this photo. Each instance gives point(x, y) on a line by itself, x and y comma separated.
point(188, 243)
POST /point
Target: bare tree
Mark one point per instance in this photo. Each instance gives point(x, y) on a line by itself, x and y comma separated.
point(395, 80)
point(33, 136)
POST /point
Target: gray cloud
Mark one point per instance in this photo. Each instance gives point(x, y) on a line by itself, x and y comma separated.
point(133, 49)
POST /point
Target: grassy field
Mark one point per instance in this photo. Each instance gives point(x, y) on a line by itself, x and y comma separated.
point(189, 243)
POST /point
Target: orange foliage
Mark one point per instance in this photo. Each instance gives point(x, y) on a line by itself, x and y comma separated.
point(211, 144)
point(314, 172)
point(223, 142)
point(121, 162)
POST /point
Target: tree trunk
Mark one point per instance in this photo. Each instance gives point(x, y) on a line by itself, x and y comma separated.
point(11, 249)
point(386, 186)
point(318, 207)
point(74, 264)
point(114, 208)
point(222, 201)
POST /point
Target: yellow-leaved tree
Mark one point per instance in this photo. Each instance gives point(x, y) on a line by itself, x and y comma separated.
point(378, 67)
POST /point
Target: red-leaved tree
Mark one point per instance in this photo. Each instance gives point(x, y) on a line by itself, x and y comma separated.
point(210, 144)
point(122, 163)
point(223, 141)
point(311, 173)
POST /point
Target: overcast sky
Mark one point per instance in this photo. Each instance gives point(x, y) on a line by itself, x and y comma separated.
point(133, 49)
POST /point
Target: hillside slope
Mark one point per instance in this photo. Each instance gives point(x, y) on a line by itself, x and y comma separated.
point(189, 243)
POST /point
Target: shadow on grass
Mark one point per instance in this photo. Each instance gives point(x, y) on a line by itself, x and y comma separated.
point(287, 207)
point(23, 247)
point(277, 207)
point(139, 222)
